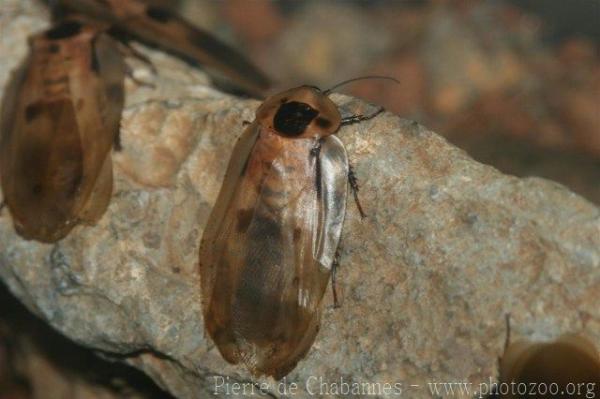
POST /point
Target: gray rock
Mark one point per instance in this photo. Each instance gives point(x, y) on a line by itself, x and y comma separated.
point(448, 248)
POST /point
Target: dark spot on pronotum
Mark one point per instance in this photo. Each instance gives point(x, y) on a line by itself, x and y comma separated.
point(322, 122)
point(176, 270)
point(54, 48)
point(292, 118)
point(159, 14)
point(284, 100)
point(244, 219)
point(64, 30)
point(297, 234)
point(32, 111)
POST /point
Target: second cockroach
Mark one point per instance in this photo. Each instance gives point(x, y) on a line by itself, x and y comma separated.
point(267, 252)
point(60, 117)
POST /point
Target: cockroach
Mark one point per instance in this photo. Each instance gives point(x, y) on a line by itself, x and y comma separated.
point(60, 117)
point(268, 249)
point(566, 367)
point(158, 26)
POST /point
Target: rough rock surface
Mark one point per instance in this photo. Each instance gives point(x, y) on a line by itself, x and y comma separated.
point(449, 247)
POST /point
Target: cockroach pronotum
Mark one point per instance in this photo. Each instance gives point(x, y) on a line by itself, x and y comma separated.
point(158, 26)
point(60, 117)
point(268, 249)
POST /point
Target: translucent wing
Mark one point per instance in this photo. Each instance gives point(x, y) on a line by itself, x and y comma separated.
point(271, 253)
point(54, 148)
point(102, 95)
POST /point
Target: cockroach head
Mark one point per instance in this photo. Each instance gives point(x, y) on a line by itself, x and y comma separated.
point(302, 112)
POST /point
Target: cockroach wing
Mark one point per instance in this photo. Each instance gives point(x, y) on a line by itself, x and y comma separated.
point(224, 203)
point(334, 175)
point(54, 151)
point(268, 260)
point(9, 107)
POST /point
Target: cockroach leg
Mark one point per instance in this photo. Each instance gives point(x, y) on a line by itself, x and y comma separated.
point(354, 186)
point(349, 120)
point(334, 266)
point(129, 72)
point(130, 51)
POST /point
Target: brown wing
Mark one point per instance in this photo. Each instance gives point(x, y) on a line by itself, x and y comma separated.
point(8, 115)
point(41, 161)
point(100, 95)
point(161, 27)
point(56, 145)
point(266, 258)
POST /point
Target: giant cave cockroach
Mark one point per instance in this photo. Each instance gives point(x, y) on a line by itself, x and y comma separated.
point(159, 26)
point(268, 249)
point(60, 117)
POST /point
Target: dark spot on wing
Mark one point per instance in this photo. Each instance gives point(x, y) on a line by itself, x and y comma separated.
point(64, 30)
point(292, 118)
point(267, 229)
point(244, 219)
point(94, 63)
point(115, 92)
point(54, 48)
point(36, 189)
point(297, 234)
point(159, 14)
point(32, 111)
point(322, 122)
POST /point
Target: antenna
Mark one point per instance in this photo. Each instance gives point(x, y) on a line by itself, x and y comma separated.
point(326, 92)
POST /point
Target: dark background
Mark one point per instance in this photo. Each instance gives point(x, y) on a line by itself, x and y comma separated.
point(514, 83)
